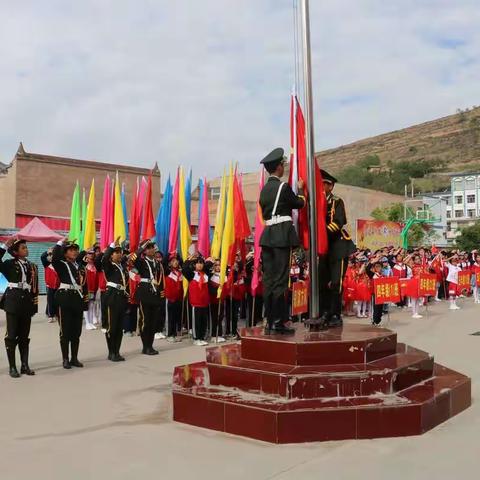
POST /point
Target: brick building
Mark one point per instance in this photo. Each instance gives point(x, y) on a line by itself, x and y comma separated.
point(42, 185)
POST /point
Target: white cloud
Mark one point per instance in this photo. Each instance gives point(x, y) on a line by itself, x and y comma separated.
point(203, 83)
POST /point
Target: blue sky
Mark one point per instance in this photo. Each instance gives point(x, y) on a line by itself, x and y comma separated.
point(203, 83)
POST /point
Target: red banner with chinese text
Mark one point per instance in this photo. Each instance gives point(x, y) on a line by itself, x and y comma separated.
point(464, 281)
point(299, 297)
point(427, 285)
point(386, 290)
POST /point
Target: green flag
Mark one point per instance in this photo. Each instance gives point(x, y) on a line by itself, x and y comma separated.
point(81, 242)
point(75, 216)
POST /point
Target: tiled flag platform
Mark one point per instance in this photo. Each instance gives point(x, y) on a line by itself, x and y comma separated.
point(343, 383)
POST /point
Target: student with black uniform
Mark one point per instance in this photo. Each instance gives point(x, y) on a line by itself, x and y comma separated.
point(71, 299)
point(116, 298)
point(20, 302)
point(150, 293)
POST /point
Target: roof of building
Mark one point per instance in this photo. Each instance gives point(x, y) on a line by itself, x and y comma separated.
point(22, 154)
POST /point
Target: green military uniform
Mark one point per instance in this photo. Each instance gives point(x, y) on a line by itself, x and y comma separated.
point(333, 265)
point(277, 200)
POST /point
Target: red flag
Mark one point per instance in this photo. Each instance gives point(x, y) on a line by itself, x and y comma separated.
point(134, 222)
point(148, 221)
point(242, 227)
point(303, 224)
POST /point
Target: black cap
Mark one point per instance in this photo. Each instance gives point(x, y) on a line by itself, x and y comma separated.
point(326, 177)
point(275, 155)
point(14, 247)
point(70, 245)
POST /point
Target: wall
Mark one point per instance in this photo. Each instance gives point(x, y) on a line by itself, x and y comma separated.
point(46, 188)
point(7, 197)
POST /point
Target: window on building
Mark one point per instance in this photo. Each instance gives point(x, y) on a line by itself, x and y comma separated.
point(215, 193)
point(447, 201)
point(470, 213)
point(471, 198)
point(458, 184)
point(470, 183)
point(458, 199)
point(458, 213)
point(449, 214)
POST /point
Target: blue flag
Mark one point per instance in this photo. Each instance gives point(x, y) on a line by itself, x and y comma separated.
point(163, 219)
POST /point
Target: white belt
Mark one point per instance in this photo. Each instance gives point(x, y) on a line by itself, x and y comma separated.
point(20, 285)
point(146, 280)
point(116, 285)
point(68, 286)
point(276, 219)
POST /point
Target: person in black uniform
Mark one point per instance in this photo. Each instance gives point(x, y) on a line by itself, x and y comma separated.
point(71, 299)
point(116, 298)
point(20, 302)
point(150, 293)
point(277, 200)
point(333, 265)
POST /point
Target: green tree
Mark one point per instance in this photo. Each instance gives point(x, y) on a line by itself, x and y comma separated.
point(469, 237)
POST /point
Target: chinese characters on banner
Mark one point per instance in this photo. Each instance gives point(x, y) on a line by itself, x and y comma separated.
point(464, 280)
point(386, 290)
point(299, 298)
point(427, 285)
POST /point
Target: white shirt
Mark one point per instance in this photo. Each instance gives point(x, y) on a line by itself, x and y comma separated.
point(453, 270)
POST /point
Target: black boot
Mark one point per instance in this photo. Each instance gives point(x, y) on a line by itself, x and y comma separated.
point(109, 345)
point(10, 347)
point(118, 343)
point(280, 327)
point(64, 347)
point(336, 321)
point(24, 351)
point(74, 361)
point(148, 344)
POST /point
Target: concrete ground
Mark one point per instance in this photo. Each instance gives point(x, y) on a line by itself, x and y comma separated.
point(113, 421)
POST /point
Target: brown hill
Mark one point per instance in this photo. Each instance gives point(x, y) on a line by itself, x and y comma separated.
point(454, 139)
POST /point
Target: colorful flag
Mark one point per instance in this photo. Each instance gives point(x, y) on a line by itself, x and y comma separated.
point(148, 224)
point(228, 236)
point(84, 218)
point(124, 208)
point(185, 236)
point(200, 199)
point(118, 219)
point(219, 220)
point(75, 227)
point(105, 218)
point(257, 249)
point(188, 196)
point(173, 234)
point(204, 223)
point(90, 236)
point(134, 229)
point(163, 219)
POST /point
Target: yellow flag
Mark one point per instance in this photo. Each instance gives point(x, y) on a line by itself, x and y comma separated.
point(118, 218)
point(228, 238)
point(185, 236)
point(220, 220)
point(90, 233)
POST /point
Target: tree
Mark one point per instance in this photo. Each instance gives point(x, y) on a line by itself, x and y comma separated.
point(469, 238)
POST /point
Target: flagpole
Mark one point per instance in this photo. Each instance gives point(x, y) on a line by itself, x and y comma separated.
point(310, 147)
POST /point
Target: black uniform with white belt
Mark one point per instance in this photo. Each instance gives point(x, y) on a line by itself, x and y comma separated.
point(20, 302)
point(277, 200)
point(115, 302)
point(71, 298)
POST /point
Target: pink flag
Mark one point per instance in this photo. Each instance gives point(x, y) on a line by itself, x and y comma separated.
point(104, 225)
point(204, 224)
point(141, 203)
point(173, 240)
point(111, 213)
point(257, 249)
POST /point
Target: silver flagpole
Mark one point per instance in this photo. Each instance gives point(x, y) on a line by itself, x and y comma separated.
point(310, 145)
